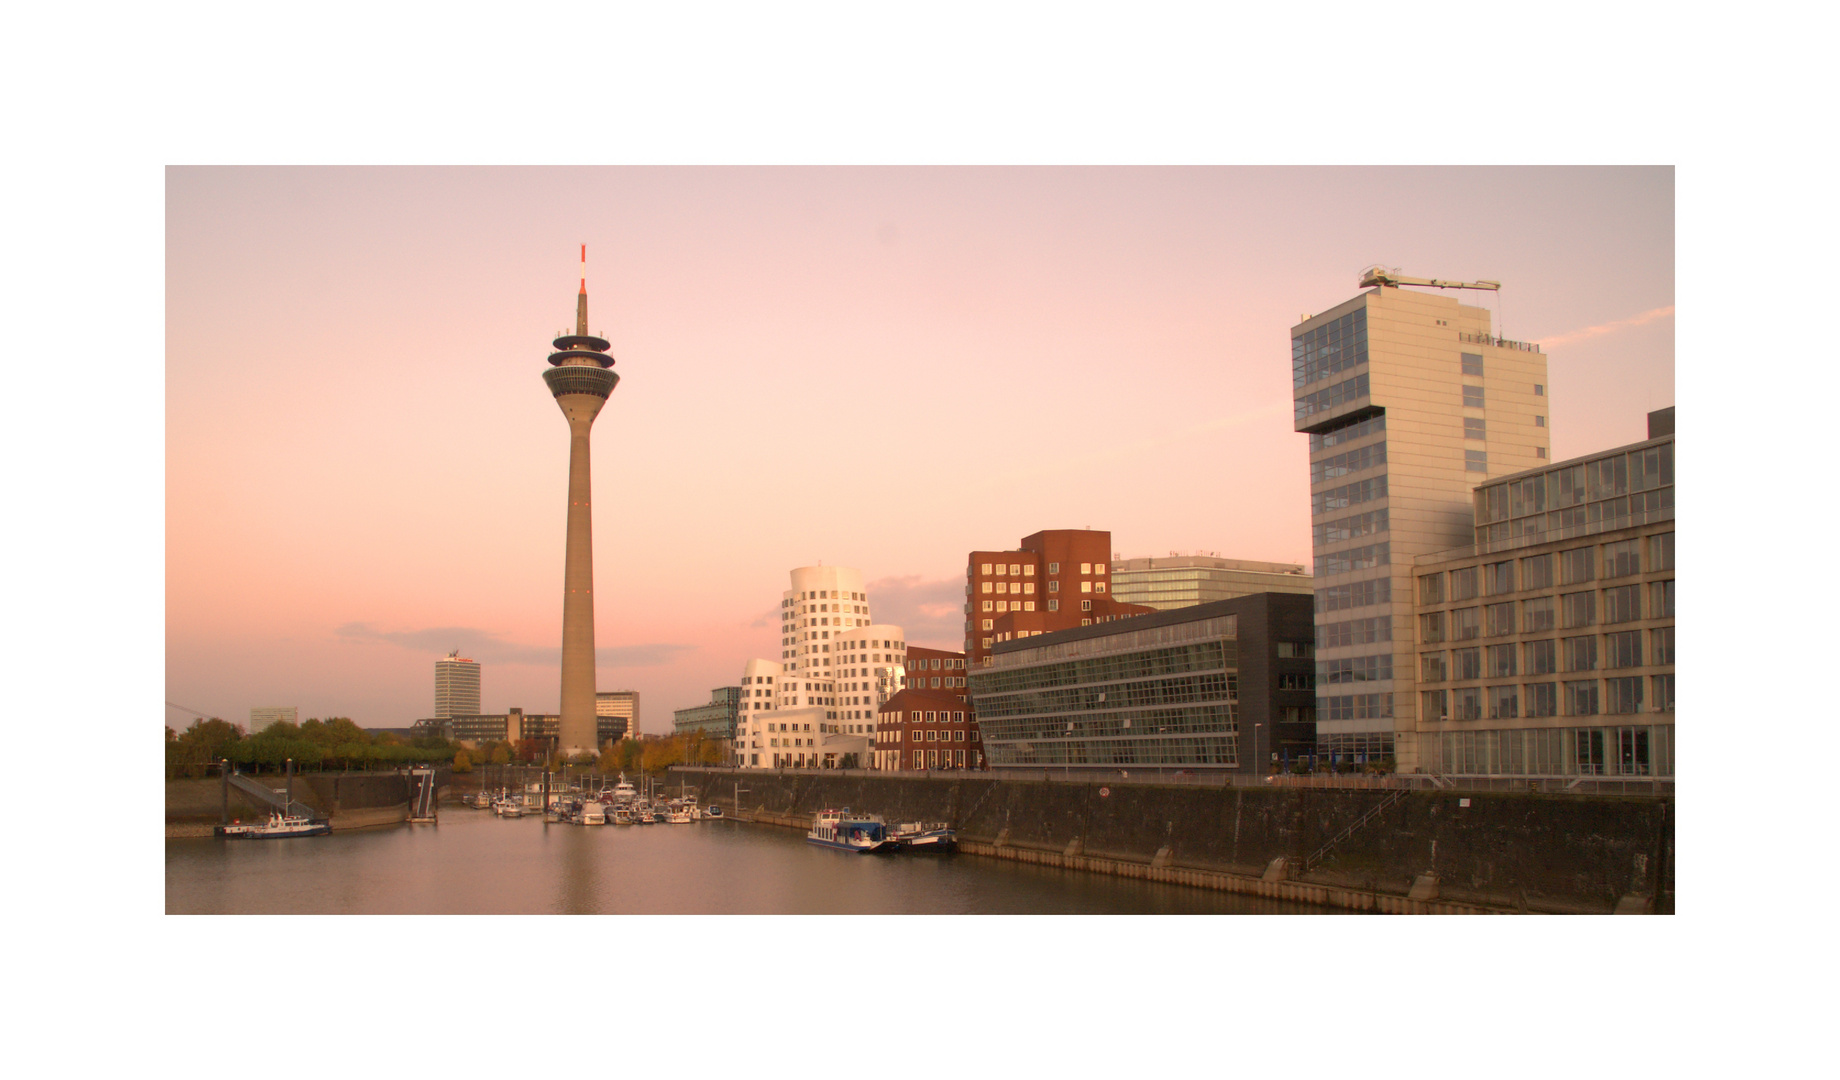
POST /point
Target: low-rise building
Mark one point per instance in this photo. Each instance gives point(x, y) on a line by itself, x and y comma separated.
point(927, 729)
point(715, 720)
point(263, 715)
point(1225, 685)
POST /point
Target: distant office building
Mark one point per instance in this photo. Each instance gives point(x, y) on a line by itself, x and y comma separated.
point(1546, 647)
point(476, 728)
point(927, 729)
point(623, 704)
point(262, 716)
point(1409, 401)
point(835, 659)
point(456, 687)
point(1185, 580)
point(1225, 685)
point(1056, 579)
point(715, 720)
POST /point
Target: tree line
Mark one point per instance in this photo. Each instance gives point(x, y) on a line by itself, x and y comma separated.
point(338, 743)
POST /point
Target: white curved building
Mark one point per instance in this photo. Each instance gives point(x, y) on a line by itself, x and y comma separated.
point(817, 704)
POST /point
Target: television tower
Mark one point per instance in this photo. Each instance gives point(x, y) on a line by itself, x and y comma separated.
point(580, 380)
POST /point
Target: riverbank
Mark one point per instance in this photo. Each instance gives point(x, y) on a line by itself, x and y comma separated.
point(361, 800)
point(1422, 852)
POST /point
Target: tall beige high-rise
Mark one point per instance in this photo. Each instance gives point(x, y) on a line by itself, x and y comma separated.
point(580, 380)
point(1410, 402)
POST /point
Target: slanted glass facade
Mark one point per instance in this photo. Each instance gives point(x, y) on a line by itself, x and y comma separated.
point(1162, 696)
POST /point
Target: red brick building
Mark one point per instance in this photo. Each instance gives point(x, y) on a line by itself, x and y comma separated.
point(927, 729)
point(1056, 580)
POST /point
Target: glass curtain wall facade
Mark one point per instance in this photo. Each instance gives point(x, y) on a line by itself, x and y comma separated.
point(1178, 581)
point(1409, 401)
point(1165, 695)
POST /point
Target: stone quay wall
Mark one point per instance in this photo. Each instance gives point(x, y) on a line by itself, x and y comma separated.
point(1428, 851)
point(354, 800)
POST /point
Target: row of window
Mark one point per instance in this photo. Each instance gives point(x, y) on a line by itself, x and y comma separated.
point(1347, 432)
point(1366, 457)
point(1583, 653)
point(1348, 495)
point(1354, 632)
point(1591, 481)
point(1371, 523)
point(1354, 594)
point(1620, 696)
point(1351, 560)
point(1620, 558)
point(1621, 603)
point(1355, 669)
point(1332, 397)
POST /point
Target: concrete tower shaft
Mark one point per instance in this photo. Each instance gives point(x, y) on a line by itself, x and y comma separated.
point(580, 381)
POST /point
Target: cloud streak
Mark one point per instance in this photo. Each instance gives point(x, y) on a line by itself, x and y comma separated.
point(930, 613)
point(487, 647)
point(1608, 328)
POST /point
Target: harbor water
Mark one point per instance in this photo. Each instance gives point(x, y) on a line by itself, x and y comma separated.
point(474, 863)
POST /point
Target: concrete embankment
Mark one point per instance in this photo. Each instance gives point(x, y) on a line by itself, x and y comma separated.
point(1427, 852)
point(348, 800)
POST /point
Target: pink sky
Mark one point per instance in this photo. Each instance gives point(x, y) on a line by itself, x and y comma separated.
point(873, 367)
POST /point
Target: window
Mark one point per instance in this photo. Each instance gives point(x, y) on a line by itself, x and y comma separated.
point(1504, 703)
point(1466, 704)
point(1542, 699)
point(1476, 461)
point(1539, 421)
point(1472, 364)
point(1465, 623)
point(1086, 605)
point(1537, 572)
point(1475, 428)
point(1664, 693)
point(1054, 568)
point(1579, 609)
point(1054, 605)
point(1539, 390)
point(1054, 586)
point(1029, 586)
point(1498, 578)
point(989, 624)
point(1539, 451)
point(1661, 644)
point(1538, 614)
point(1432, 667)
point(1028, 570)
point(1098, 586)
point(1028, 605)
point(1295, 680)
point(1661, 552)
point(1622, 558)
point(1623, 650)
point(989, 605)
point(988, 587)
point(1581, 698)
point(1623, 604)
point(1431, 627)
point(1466, 664)
point(1623, 696)
point(1463, 584)
point(1498, 619)
point(1578, 564)
point(1542, 657)
point(1501, 661)
point(1661, 600)
point(1472, 397)
point(1436, 703)
point(1288, 650)
point(1431, 589)
point(1581, 653)
point(1086, 586)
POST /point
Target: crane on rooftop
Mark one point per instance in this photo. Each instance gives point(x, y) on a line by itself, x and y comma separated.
point(1392, 279)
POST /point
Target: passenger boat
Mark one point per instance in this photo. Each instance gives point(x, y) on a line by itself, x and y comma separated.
point(920, 836)
point(279, 826)
point(593, 813)
point(621, 816)
point(681, 815)
point(861, 834)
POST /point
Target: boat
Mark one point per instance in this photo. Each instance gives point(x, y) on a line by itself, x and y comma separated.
point(681, 815)
point(279, 826)
point(861, 834)
point(592, 813)
point(919, 836)
point(712, 812)
point(621, 816)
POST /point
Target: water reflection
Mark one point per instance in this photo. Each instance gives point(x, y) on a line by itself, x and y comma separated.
point(474, 863)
